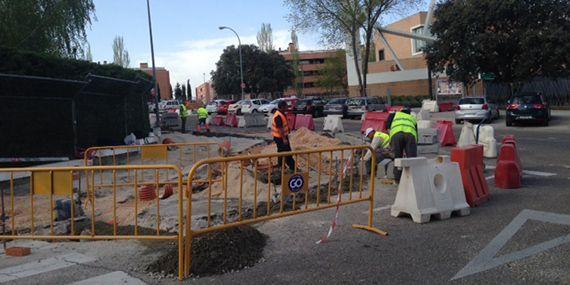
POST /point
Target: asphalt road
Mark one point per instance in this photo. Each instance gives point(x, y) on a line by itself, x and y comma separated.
point(519, 236)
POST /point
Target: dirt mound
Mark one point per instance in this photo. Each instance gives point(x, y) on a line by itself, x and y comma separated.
point(216, 253)
point(304, 138)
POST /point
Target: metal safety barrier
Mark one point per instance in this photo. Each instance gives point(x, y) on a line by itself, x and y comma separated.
point(48, 204)
point(179, 154)
point(234, 191)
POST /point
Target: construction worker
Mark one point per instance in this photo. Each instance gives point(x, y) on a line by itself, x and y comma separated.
point(380, 143)
point(183, 112)
point(202, 117)
point(403, 137)
point(280, 133)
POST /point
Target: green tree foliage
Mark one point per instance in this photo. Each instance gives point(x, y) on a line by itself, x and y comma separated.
point(120, 54)
point(263, 72)
point(333, 74)
point(516, 40)
point(54, 27)
point(265, 38)
point(188, 90)
point(178, 92)
point(184, 98)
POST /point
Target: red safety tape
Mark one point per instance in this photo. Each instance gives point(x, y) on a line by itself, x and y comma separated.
point(338, 200)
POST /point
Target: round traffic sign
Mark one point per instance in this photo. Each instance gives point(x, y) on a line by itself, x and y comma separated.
point(296, 183)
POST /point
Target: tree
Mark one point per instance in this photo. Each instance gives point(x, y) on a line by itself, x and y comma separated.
point(120, 54)
point(183, 95)
point(297, 72)
point(54, 27)
point(341, 22)
point(263, 72)
point(178, 92)
point(188, 90)
point(88, 55)
point(514, 40)
point(333, 74)
point(265, 38)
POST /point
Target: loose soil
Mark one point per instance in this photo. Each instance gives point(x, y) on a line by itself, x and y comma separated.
point(215, 253)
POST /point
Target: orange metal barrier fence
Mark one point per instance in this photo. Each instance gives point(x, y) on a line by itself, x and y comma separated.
point(47, 204)
point(250, 189)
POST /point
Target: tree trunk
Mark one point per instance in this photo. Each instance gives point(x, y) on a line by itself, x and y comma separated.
point(357, 64)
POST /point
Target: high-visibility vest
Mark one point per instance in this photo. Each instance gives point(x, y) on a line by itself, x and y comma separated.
point(274, 129)
point(385, 138)
point(202, 113)
point(183, 111)
point(404, 123)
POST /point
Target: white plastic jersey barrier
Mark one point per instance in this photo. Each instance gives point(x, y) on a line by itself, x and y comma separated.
point(466, 137)
point(423, 115)
point(429, 187)
point(251, 120)
point(425, 124)
point(333, 124)
point(269, 121)
point(487, 139)
point(427, 136)
point(430, 106)
point(428, 148)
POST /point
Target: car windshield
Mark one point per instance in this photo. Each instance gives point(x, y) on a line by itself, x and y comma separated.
point(337, 101)
point(466, 101)
point(527, 99)
point(274, 102)
point(355, 102)
point(302, 103)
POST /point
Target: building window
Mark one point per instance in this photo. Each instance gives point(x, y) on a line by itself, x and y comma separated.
point(418, 45)
point(381, 55)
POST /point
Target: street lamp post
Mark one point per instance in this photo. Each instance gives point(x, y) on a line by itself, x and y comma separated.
point(242, 85)
point(156, 90)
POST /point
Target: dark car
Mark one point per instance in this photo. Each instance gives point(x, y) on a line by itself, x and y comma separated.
point(311, 106)
point(528, 107)
point(336, 107)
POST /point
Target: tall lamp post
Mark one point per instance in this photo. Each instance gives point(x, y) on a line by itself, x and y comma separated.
point(242, 85)
point(156, 90)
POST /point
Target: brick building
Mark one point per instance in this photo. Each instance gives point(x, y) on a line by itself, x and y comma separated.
point(163, 78)
point(310, 64)
point(205, 92)
point(383, 74)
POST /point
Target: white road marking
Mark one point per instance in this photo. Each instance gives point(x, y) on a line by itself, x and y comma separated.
point(379, 209)
point(539, 173)
point(489, 177)
point(43, 266)
point(117, 277)
point(486, 259)
point(490, 167)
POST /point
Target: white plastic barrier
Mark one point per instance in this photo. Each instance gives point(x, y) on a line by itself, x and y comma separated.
point(425, 124)
point(269, 122)
point(251, 120)
point(423, 115)
point(487, 139)
point(466, 137)
point(333, 124)
point(427, 136)
point(428, 148)
point(430, 106)
point(429, 187)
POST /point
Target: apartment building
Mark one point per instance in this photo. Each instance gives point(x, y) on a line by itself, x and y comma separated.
point(163, 79)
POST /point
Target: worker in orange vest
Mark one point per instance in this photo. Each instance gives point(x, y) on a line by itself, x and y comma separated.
point(280, 133)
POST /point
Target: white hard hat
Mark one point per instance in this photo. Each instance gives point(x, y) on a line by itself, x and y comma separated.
point(368, 131)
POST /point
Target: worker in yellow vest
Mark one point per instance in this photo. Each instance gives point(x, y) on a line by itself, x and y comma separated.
point(380, 143)
point(403, 137)
point(183, 112)
point(280, 132)
point(202, 117)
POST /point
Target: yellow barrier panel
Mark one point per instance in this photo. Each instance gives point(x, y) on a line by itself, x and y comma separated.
point(260, 188)
point(110, 215)
point(154, 152)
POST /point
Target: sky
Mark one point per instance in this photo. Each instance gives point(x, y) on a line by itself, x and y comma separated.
point(187, 40)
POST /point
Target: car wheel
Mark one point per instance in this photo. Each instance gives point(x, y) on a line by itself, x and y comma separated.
point(273, 111)
point(545, 122)
point(457, 122)
point(253, 111)
point(508, 123)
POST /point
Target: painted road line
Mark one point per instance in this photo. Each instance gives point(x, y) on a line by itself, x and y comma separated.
point(117, 277)
point(490, 167)
point(379, 209)
point(489, 177)
point(43, 266)
point(539, 173)
point(486, 259)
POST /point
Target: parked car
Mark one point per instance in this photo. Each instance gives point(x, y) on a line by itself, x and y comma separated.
point(360, 105)
point(528, 107)
point(213, 106)
point(272, 106)
point(336, 107)
point(475, 108)
point(166, 106)
point(253, 105)
point(311, 106)
point(223, 106)
point(269, 107)
point(236, 107)
point(291, 104)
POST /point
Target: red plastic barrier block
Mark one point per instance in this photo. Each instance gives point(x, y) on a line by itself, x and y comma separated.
point(18, 251)
point(218, 120)
point(508, 175)
point(508, 138)
point(393, 109)
point(446, 135)
point(508, 152)
point(375, 120)
point(470, 160)
point(304, 121)
point(231, 120)
point(291, 121)
point(446, 107)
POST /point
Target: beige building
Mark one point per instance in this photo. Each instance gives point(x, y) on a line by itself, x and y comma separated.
point(205, 92)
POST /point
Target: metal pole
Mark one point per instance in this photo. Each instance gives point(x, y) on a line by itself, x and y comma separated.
point(156, 90)
point(240, 58)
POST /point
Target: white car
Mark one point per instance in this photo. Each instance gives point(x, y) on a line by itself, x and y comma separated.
point(270, 107)
point(236, 107)
point(212, 107)
point(165, 106)
point(253, 106)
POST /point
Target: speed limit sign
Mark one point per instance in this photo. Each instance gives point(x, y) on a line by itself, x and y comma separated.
point(296, 183)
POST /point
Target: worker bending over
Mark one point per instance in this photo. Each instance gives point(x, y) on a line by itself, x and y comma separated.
point(380, 144)
point(280, 133)
point(403, 137)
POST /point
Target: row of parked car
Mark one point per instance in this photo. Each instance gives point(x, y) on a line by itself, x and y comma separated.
point(316, 106)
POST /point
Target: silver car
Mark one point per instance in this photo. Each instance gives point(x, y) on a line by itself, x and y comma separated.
point(475, 108)
point(360, 105)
